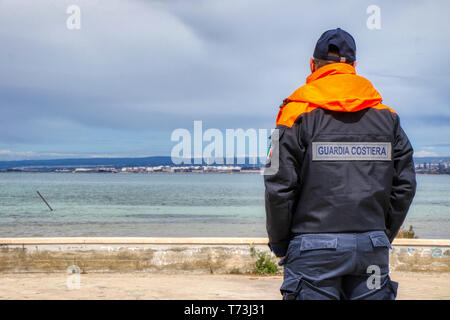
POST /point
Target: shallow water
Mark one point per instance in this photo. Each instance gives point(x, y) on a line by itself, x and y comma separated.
point(168, 205)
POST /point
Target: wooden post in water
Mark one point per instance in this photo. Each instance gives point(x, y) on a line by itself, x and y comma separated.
point(43, 199)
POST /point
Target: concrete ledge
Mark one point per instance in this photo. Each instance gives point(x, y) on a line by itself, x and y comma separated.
point(194, 240)
point(422, 242)
point(134, 240)
point(181, 255)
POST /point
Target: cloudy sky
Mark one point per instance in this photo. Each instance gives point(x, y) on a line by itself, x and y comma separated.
point(137, 70)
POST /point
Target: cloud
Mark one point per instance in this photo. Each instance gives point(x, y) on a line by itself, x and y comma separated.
point(424, 153)
point(139, 69)
point(6, 155)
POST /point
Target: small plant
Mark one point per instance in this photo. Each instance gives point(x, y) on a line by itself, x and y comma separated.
point(264, 263)
point(407, 234)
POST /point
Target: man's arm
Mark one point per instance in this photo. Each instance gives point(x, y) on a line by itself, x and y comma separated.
point(403, 184)
point(282, 189)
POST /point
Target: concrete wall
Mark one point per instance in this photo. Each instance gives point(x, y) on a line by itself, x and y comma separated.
point(180, 255)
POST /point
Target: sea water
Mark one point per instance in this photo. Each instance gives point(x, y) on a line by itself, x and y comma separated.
point(168, 205)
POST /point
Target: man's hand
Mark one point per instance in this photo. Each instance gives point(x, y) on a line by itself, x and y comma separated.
point(281, 262)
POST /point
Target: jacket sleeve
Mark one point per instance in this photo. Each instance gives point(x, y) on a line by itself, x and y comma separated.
point(281, 188)
point(403, 183)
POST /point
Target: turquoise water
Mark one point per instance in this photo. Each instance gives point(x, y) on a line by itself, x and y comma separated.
point(168, 205)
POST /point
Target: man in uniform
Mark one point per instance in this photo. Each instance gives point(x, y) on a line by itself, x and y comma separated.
point(344, 183)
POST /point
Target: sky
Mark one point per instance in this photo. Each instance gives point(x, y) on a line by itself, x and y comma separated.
point(137, 70)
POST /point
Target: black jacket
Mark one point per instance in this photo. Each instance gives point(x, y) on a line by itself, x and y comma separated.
point(344, 170)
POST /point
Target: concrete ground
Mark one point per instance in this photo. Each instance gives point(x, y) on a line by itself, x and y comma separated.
point(413, 285)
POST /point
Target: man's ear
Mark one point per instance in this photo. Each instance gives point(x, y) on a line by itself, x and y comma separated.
point(312, 65)
point(354, 64)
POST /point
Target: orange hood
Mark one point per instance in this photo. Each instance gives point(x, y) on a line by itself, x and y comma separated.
point(337, 87)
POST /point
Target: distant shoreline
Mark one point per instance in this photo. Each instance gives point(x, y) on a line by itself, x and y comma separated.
point(160, 172)
point(177, 172)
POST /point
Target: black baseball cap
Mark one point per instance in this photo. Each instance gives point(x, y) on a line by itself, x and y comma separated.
point(339, 38)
